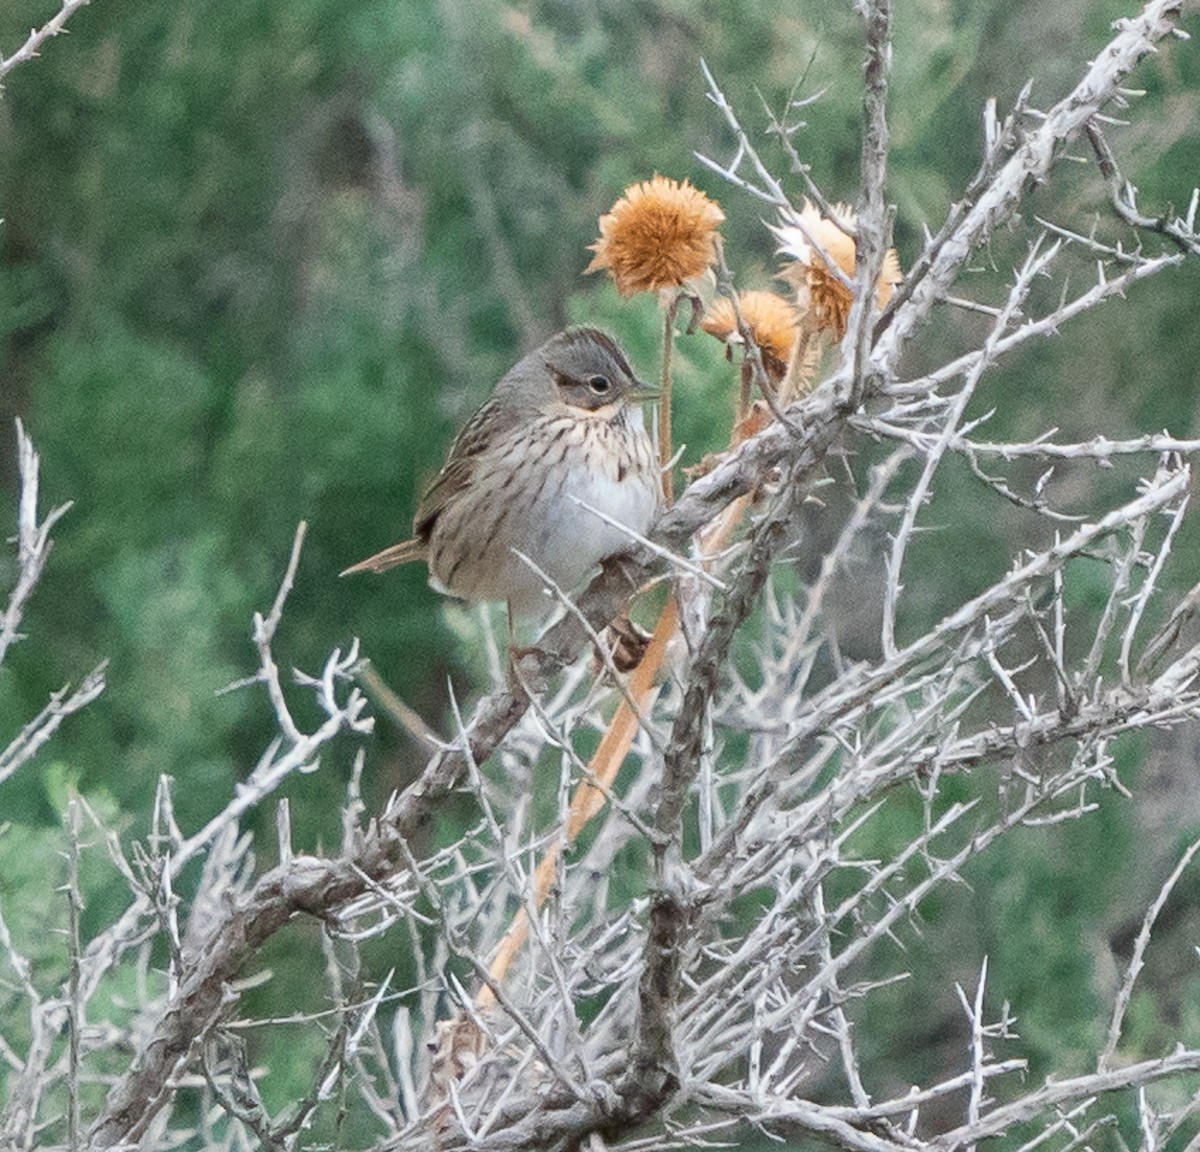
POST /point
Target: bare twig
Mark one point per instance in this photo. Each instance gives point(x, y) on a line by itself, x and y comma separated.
point(33, 537)
point(1125, 992)
point(33, 43)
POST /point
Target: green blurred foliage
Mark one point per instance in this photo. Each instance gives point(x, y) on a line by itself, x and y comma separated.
point(259, 260)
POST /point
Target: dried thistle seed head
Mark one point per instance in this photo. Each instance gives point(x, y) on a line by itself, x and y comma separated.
point(659, 234)
point(772, 321)
point(822, 295)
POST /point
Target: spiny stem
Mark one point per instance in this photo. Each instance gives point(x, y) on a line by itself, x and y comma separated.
point(664, 402)
point(74, 999)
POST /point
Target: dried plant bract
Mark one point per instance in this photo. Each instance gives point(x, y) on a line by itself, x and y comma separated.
point(822, 295)
point(772, 321)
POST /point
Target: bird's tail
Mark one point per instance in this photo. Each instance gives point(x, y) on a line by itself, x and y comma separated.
point(402, 553)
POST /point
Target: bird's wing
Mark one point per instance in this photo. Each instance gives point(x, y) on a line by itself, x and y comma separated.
point(479, 433)
point(490, 423)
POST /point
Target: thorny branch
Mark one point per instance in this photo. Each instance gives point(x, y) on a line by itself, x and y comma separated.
point(33, 541)
point(873, 231)
point(1028, 164)
point(1123, 197)
point(38, 36)
point(33, 547)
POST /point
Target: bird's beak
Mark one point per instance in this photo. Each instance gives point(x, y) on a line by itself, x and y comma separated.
point(644, 393)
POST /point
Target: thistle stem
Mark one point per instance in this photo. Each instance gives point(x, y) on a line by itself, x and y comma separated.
point(744, 393)
point(664, 402)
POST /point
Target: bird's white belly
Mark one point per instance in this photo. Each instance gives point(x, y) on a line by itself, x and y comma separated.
point(571, 539)
point(554, 527)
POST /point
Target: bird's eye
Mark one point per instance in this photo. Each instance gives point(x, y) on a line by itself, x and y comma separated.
point(599, 384)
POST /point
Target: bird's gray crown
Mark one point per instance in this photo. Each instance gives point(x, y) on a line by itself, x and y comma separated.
point(582, 366)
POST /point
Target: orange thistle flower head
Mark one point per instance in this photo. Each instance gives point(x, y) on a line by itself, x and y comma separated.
point(772, 321)
point(809, 239)
point(659, 234)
